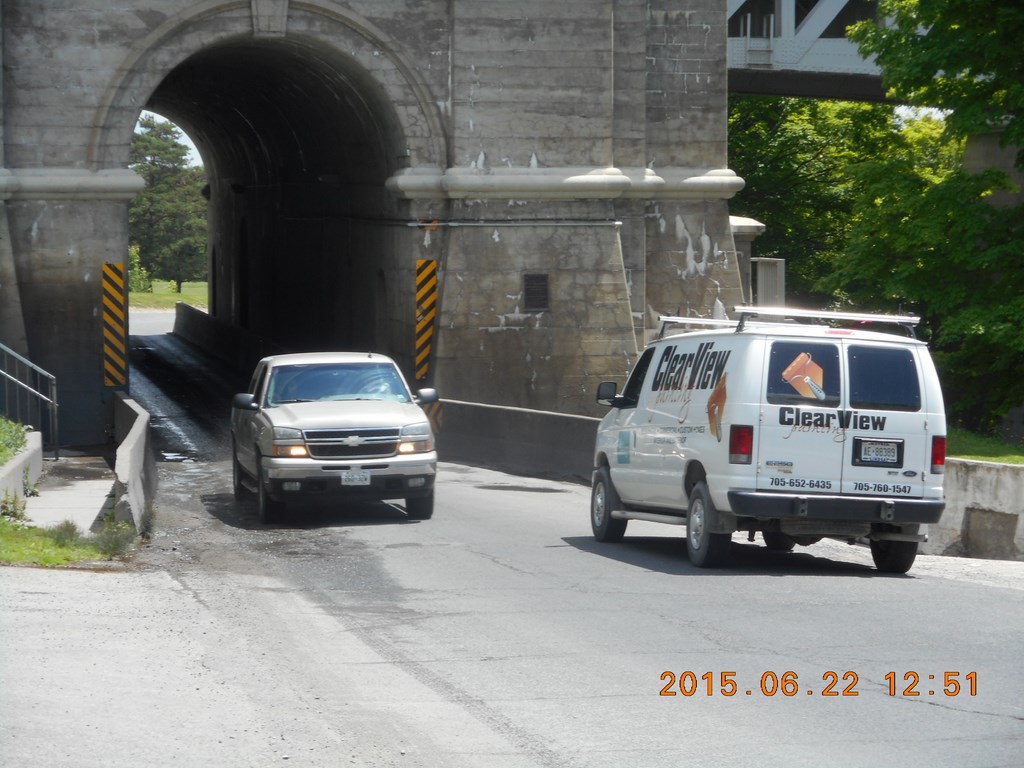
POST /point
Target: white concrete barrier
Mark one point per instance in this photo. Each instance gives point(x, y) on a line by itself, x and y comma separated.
point(24, 469)
point(134, 464)
point(984, 506)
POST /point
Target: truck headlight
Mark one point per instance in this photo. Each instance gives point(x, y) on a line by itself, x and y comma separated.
point(288, 443)
point(416, 438)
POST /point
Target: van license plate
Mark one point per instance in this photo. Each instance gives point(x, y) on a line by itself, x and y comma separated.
point(359, 477)
point(883, 453)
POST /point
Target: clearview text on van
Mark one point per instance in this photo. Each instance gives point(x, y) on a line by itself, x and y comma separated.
point(795, 424)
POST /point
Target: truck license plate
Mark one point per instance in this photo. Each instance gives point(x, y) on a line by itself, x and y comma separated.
point(357, 477)
point(886, 453)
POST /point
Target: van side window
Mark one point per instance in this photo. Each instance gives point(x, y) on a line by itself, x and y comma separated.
point(802, 372)
point(631, 394)
point(883, 378)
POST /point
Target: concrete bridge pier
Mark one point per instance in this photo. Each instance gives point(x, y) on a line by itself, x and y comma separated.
point(64, 225)
point(544, 291)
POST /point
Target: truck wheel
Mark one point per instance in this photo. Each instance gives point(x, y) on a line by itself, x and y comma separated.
point(267, 508)
point(706, 549)
point(237, 474)
point(420, 507)
point(777, 542)
point(893, 556)
point(603, 499)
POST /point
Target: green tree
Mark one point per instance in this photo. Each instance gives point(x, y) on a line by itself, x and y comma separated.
point(928, 234)
point(962, 56)
point(167, 220)
point(794, 154)
point(895, 229)
point(138, 277)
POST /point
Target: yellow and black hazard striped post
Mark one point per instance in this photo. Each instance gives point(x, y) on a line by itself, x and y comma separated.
point(115, 326)
point(426, 314)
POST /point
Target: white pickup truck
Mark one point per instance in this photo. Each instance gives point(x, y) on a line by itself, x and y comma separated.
point(342, 424)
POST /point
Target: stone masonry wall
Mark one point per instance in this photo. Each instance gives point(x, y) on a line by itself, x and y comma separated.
point(583, 141)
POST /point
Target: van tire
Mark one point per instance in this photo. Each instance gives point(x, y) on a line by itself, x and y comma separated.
point(777, 541)
point(893, 556)
point(603, 499)
point(705, 549)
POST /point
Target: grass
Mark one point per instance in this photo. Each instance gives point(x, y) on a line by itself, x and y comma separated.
point(12, 440)
point(164, 296)
point(37, 546)
point(967, 445)
point(61, 544)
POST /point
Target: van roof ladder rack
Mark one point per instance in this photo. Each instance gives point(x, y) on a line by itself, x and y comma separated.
point(907, 322)
point(667, 320)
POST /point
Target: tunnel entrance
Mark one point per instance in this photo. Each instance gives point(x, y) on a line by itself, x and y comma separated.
point(297, 139)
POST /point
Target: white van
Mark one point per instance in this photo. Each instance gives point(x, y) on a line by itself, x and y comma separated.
point(797, 424)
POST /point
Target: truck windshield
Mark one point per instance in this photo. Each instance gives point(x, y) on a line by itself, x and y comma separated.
point(336, 381)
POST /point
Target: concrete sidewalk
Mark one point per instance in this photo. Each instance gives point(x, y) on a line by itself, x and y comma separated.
point(79, 486)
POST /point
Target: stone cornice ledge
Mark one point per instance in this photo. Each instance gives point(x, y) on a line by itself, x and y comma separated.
point(69, 184)
point(568, 183)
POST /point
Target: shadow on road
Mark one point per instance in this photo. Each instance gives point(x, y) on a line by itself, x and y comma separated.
point(668, 555)
point(308, 516)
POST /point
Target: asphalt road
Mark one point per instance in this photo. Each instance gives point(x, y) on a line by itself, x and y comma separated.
point(497, 634)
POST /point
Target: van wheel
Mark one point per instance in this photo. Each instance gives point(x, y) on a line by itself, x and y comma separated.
point(603, 499)
point(777, 542)
point(893, 556)
point(267, 508)
point(706, 549)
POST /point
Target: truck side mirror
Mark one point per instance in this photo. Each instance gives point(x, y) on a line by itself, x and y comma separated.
point(425, 396)
point(606, 393)
point(244, 402)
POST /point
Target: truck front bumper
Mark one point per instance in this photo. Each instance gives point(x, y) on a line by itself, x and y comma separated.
point(394, 478)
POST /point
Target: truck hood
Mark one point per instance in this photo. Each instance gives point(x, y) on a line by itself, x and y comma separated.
point(345, 414)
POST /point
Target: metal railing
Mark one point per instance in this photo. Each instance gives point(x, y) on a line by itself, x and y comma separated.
point(29, 396)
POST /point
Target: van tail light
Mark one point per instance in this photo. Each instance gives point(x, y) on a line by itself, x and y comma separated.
point(939, 455)
point(741, 444)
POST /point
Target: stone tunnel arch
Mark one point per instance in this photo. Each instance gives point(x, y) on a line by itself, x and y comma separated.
point(381, 174)
point(299, 127)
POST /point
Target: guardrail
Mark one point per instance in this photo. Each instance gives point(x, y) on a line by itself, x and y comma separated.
point(29, 391)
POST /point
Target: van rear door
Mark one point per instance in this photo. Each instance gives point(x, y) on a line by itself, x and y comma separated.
point(887, 446)
point(800, 443)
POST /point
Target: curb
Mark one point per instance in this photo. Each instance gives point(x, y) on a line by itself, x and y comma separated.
point(24, 470)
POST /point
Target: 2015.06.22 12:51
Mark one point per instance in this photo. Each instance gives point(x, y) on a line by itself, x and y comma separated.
point(787, 684)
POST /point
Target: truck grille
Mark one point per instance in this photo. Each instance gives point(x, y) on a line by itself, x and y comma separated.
point(352, 443)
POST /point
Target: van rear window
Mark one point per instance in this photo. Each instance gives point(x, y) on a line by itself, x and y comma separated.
point(883, 378)
point(802, 372)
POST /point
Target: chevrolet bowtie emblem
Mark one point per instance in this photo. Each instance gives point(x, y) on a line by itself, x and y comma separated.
point(352, 441)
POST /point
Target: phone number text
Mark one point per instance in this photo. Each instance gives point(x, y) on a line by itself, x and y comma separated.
point(799, 482)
